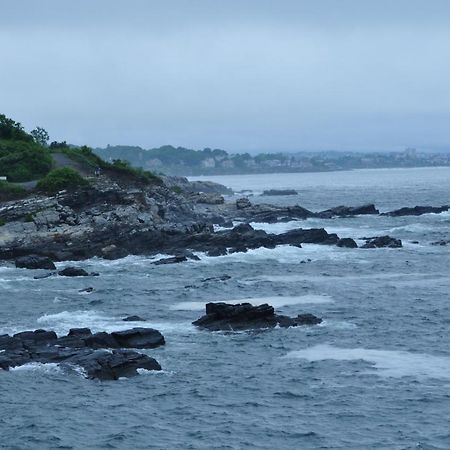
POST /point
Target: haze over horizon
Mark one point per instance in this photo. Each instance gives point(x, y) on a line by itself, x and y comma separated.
point(251, 75)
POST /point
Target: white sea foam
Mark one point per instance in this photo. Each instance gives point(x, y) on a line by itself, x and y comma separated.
point(284, 254)
point(388, 363)
point(275, 301)
point(63, 321)
point(48, 368)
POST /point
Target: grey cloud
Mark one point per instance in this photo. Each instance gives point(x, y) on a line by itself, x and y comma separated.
point(247, 75)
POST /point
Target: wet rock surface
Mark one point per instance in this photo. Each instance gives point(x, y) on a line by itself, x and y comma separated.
point(100, 355)
point(35, 262)
point(244, 316)
point(382, 241)
point(416, 211)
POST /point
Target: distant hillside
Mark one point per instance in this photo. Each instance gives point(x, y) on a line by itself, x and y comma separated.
point(28, 163)
point(183, 161)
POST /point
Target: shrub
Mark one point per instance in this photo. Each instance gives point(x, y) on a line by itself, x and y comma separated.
point(124, 167)
point(23, 161)
point(64, 178)
point(10, 191)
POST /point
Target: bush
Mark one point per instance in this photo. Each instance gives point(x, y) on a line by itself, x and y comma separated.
point(61, 179)
point(124, 167)
point(23, 161)
point(9, 191)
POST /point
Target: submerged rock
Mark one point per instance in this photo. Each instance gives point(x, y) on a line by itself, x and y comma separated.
point(244, 316)
point(81, 348)
point(280, 192)
point(171, 260)
point(133, 319)
point(35, 262)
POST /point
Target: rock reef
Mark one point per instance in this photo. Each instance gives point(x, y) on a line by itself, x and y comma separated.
point(101, 355)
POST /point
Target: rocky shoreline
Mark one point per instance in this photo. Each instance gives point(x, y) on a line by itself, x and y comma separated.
point(112, 221)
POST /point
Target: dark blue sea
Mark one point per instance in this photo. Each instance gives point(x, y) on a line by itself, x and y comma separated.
point(374, 375)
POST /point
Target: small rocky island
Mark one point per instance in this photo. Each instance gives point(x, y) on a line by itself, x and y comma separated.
point(244, 316)
point(101, 355)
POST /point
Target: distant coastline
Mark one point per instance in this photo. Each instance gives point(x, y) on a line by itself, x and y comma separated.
point(207, 162)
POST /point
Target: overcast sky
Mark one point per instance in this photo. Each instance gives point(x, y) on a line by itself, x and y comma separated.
point(240, 75)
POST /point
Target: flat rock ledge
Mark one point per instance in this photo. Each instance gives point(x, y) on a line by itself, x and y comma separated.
point(103, 356)
point(244, 316)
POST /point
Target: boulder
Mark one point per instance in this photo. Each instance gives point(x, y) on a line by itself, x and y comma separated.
point(35, 262)
point(73, 272)
point(244, 316)
point(346, 242)
point(382, 241)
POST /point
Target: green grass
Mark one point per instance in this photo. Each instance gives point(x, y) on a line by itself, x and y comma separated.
point(64, 178)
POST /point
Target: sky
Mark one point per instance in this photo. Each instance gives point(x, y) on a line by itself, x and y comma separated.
point(242, 75)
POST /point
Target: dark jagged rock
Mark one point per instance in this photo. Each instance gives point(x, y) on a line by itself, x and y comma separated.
point(346, 242)
point(345, 211)
point(382, 241)
point(310, 236)
point(35, 262)
point(171, 260)
point(273, 192)
point(82, 348)
point(87, 290)
point(133, 319)
point(244, 316)
point(417, 211)
point(139, 338)
point(73, 272)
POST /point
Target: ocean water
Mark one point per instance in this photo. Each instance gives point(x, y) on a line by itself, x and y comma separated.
point(374, 375)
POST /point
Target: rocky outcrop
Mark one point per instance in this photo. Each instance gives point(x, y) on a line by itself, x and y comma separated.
point(244, 316)
point(91, 352)
point(346, 211)
point(35, 262)
point(417, 211)
point(382, 241)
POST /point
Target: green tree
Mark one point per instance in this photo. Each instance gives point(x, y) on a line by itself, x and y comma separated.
point(40, 136)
